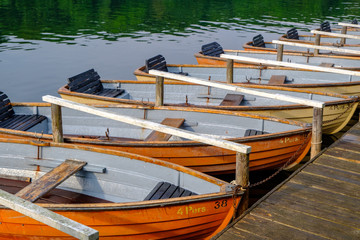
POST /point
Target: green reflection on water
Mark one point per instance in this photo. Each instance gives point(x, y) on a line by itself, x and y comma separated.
point(67, 20)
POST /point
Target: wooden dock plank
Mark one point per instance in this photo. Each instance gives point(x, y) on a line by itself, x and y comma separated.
point(337, 186)
point(339, 163)
point(314, 207)
point(320, 200)
point(256, 227)
point(331, 173)
point(306, 223)
point(50, 180)
point(322, 197)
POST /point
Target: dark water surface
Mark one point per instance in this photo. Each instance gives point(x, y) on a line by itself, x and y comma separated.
point(42, 43)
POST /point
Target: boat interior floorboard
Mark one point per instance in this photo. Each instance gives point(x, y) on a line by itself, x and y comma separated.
point(54, 196)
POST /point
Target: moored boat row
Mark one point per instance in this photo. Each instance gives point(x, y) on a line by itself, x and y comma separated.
point(138, 183)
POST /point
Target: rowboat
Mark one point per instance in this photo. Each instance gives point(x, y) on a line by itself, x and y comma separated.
point(115, 193)
point(258, 44)
point(293, 36)
point(274, 142)
point(210, 55)
point(264, 75)
point(197, 96)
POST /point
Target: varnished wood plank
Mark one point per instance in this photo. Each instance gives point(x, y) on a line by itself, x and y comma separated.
point(353, 138)
point(339, 163)
point(343, 154)
point(277, 79)
point(304, 222)
point(333, 174)
point(345, 188)
point(264, 228)
point(232, 100)
point(159, 136)
point(296, 190)
point(316, 207)
point(50, 180)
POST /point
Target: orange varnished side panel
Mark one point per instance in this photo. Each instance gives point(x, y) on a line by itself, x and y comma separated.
point(200, 219)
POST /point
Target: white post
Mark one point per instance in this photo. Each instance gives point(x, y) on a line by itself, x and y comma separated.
point(48, 217)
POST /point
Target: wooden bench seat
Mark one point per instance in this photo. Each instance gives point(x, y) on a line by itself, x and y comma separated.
point(165, 190)
point(89, 82)
point(232, 100)
point(258, 41)
point(292, 34)
point(325, 27)
point(253, 132)
point(158, 63)
point(50, 180)
point(277, 79)
point(213, 49)
point(325, 64)
point(10, 120)
point(159, 136)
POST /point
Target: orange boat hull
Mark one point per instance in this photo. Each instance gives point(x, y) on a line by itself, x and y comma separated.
point(198, 218)
point(268, 152)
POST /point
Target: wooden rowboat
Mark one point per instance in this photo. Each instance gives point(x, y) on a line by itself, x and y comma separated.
point(258, 44)
point(294, 78)
point(277, 142)
point(192, 95)
point(115, 193)
point(210, 55)
point(292, 35)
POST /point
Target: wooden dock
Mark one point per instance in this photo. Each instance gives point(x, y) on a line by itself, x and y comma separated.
point(321, 200)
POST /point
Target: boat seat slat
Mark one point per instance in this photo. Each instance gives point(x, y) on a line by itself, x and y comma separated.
point(89, 82)
point(232, 100)
point(212, 49)
point(258, 41)
point(4, 102)
point(10, 120)
point(325, 27)
point(178, 192)
point(82, 82)
point(292, 34)
point(156, 63)
point(253, 132)
point(277, 79)
point(91, 86)
point(159, 136)
point(22, 122)
point(324, 64)
point(50, 180)
point(83, 75)
point(106, 92)
point(165, 190)
point(6, 112)
point(14, 121)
